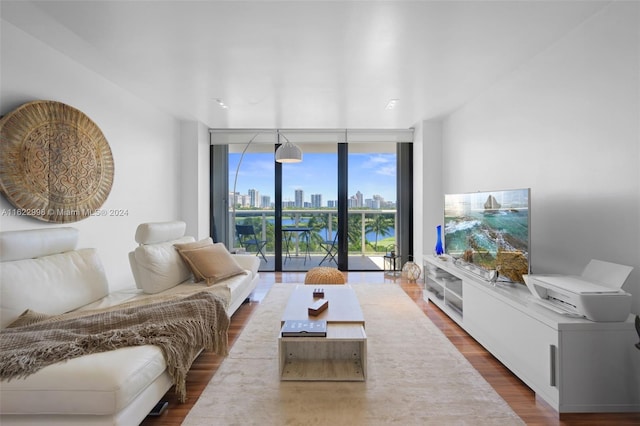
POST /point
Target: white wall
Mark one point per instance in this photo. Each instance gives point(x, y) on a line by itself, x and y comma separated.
point(195, 178)
point(566, 124)
point(418, 194)
point(432, 202)
point(145, 143)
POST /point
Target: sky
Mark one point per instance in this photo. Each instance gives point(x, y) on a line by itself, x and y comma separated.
point(372, 174)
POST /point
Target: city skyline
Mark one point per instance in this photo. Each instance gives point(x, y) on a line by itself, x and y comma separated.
point(371, 174)
point(254, 199)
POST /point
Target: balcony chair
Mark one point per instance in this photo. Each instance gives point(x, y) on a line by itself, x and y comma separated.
point(247, 239)
point(331, 249)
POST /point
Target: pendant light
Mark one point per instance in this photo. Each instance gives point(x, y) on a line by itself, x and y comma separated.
point(288, 152)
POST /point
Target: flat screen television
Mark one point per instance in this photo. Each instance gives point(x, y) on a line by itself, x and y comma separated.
point(490, 230)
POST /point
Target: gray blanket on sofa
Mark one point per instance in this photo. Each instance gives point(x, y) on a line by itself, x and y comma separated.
point(180, 326)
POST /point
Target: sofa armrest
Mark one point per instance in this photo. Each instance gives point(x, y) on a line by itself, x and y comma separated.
point(248, 262)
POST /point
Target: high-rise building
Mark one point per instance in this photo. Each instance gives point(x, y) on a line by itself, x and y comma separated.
point(357, 200)
point(372, 203)
point(265, 201)
point(299, 198)
point(316, 201)
point(235, 198)
point(254, 198)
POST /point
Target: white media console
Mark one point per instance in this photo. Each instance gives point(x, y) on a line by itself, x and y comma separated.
point(575, 365)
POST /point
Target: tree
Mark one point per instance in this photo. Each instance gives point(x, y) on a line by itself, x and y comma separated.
point(380, 224)
point(354, 232)
point(317, 223)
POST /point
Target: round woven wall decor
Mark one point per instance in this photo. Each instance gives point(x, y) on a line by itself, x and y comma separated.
point(55, 163)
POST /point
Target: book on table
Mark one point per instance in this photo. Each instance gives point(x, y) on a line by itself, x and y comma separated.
point(304, 328)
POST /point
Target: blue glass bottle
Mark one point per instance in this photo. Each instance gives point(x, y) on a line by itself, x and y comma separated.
point(439, 248)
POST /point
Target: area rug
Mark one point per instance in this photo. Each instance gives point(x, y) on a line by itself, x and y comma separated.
point(415, 376)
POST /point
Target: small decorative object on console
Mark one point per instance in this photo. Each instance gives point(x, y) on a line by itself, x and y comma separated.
point(318, 292)
point(439, 248)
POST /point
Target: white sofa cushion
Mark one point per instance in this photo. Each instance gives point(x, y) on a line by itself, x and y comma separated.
point(96, 384)
point(32, 243)
point(158, 232)
point(249, 262)
point(240, 284)
point(159, 266)
point(51, 284)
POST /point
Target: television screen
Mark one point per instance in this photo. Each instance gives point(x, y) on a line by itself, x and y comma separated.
point(490, 230)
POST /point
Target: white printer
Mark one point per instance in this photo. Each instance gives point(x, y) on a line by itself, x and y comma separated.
point(596, 294)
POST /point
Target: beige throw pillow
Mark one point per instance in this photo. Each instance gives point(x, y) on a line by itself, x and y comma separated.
point(191, 246)
point(213, 263)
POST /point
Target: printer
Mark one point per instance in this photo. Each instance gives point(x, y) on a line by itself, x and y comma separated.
point(596, 294)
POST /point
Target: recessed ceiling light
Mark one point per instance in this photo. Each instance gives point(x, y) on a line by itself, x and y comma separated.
point(221, 103)
point(392, 104)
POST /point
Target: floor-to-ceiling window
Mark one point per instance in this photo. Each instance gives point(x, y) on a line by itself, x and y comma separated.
point(371, 204)
point(252, 201)
point(309, 209)
point(335, 208)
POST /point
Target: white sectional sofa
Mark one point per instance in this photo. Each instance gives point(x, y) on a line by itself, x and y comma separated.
point(157, 266)
point(43, 271)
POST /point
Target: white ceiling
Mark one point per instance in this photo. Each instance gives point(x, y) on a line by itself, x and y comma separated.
point(302, 64)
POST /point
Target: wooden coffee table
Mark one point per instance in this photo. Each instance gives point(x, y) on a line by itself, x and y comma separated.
point(342, 354)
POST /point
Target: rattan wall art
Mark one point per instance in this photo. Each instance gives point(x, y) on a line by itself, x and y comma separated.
point(55, 163)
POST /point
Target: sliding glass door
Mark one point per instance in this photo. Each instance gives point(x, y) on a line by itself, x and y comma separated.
point(309, 209)
point(252, 202)
point(339, 207)
point(308, 193)
point(371, 204)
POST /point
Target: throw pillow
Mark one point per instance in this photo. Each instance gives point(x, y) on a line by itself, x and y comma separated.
point(214, 263)
point(191, 246)
point(159, 267)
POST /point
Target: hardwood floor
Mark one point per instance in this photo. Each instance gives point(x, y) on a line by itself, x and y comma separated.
point(521, 399)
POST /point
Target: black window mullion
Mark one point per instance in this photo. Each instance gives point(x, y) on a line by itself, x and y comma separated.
point(343, 207)
point(404, 205)
point(219, 194)
point(278, 215)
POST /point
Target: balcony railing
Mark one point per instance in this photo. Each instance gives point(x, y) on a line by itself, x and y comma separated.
point(264, 223)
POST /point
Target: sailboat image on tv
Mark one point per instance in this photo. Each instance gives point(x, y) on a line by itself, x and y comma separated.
point(491, 205)
point(490, 230)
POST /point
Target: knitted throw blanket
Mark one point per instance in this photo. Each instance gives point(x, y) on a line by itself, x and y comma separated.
point(180, 326)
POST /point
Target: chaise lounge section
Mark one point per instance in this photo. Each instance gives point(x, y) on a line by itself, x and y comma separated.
point(41, 270)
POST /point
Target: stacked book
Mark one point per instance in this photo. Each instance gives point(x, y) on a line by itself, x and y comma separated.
point(304, 328)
